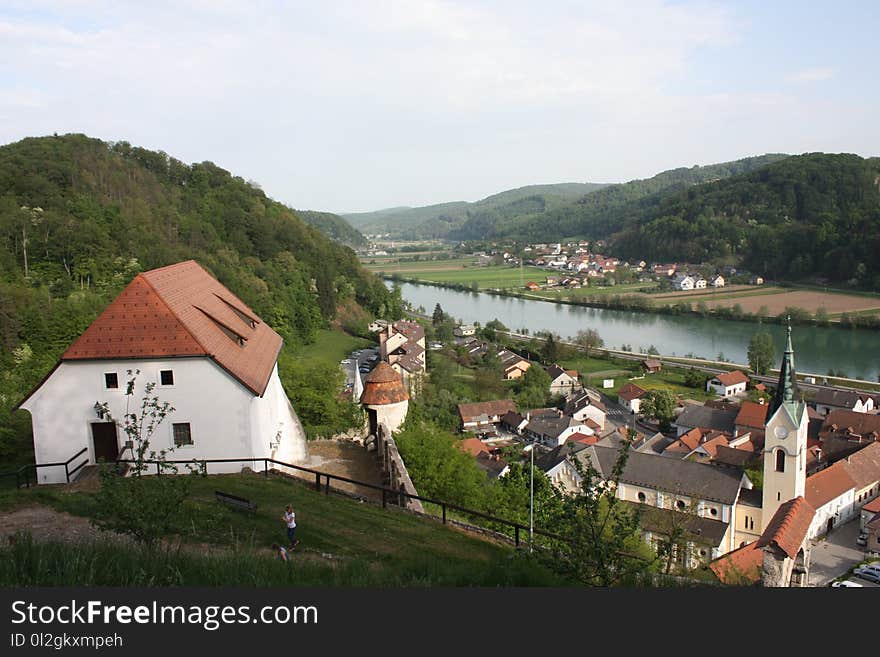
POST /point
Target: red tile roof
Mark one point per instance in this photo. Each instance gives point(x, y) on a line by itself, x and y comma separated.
point(732, 378)
point(873, 506)
point(631, 391)
point(181, 310)
point(828, 484)
point(788, 527)
point(742, 566)
point(751, 415)
point(499, 407)
point(582, 438)
point(473, 446)
point(864, 466)
point(383, 386)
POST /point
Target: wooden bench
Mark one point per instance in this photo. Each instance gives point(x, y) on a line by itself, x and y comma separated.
point(235, 500)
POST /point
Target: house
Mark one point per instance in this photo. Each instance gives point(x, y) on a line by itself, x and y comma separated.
point(705, 417)
point(699, 283)
point(702, 497)
point(385, 399)
point(717, 280)
point(377, 325)
point(863, 467)
point(831, 493)
point(630, 397)
point(683, 282)
point(554, 430)
point(750, 418)
point(473, 446)
point(531, 285)
point(872, 529)
point(464, 330)
point(845, 432)
point(514, 365)
point(481, 416)
point(869, 512)
point(207, 354)
point(756, 280)
point(563, 382)
point(652, 365)
point(402, 345)
point(493, 465)
point(727, 384)
point(513, 422)
point(828, 399)
point(582, 407)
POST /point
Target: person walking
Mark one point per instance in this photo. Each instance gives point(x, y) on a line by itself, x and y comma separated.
point(289, 518)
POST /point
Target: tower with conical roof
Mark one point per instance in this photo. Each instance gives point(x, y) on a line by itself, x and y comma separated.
point(385, 398)
point(785, 441)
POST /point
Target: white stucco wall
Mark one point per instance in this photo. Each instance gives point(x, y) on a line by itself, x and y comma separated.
point(226, 420)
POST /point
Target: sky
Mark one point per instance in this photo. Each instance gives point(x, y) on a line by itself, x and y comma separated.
point(348, 106)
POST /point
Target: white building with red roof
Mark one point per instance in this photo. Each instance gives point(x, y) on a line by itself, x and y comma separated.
point(207, 353)
point(729, 383)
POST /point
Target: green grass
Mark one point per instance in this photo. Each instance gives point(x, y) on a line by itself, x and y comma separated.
point(498, 276)
point(366, 545)
point(331, 346)
point(584, 292)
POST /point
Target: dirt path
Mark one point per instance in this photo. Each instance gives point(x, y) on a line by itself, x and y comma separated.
point(46, 524)
point(345, 459)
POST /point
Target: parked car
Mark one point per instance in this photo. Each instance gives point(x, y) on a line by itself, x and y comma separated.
point(868, 574)
point(862, 539)
point(847, 583)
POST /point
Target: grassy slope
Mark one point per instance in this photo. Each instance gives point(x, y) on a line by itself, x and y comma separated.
point(366, 545)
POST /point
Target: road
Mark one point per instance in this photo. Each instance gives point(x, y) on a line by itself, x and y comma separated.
point(355, 362)
point(835, 554)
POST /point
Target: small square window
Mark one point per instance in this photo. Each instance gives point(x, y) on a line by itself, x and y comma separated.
point(111, 380)
point(182, 434)
point(166, 377)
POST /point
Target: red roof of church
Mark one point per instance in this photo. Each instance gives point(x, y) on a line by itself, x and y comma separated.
point(788, 527)
point(742, 566)
point(181, 310)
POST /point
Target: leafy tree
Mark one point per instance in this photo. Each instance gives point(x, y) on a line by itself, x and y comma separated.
point(533, 388)
point(660, 404)
point(145, 507)
point(588, 339)
point(550, 350)
point(439, 316)
point(761, 353)
point(694, 378)
point(603, 545)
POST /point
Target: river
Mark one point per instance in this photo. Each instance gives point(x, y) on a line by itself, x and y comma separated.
point(855, 352)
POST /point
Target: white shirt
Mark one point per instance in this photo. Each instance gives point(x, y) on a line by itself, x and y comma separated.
point(290, 518)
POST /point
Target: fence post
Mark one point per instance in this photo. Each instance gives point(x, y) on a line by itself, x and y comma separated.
point(266, 468)
point(67, 473)
point(384, 502)
point(327, 486)
point(516, 535)
point(444, 512)
point(318, 481)
point(158, 470)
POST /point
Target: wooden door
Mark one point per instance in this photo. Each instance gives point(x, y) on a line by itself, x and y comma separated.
point(104, 440)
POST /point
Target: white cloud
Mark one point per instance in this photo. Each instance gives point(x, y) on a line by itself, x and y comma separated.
point(811, 74)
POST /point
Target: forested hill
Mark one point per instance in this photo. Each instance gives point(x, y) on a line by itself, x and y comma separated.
point(334, 227)
point(108, 211)
point(604, 211)
point(808, 216)
point(443, 220)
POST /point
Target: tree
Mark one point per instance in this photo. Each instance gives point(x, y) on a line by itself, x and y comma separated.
point(660, 404)
point(761, 353)
point(145, 507)
point(533, 388)
point(438, 316)
point(694, 378)
point(603, 544)
point(588, 339)
point(550, 350)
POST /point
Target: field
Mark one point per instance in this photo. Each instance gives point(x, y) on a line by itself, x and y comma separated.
point(463, 272)
point(774, 300)
point(330, 347)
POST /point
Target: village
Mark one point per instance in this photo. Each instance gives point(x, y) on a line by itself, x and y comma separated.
point(756, 474)
point(754, 466)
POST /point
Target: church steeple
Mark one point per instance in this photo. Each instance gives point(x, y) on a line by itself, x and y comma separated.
point(786, 388)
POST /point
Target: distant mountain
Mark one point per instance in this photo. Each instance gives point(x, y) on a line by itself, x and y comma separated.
point(334, 227)
point(807, 216)
point(438, 221)
point(604, 211)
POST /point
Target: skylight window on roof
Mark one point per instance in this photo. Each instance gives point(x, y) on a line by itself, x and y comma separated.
point(241, 314)
point(228, 331)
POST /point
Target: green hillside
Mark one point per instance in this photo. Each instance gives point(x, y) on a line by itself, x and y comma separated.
point(79, 218)
point(343, 543)
point(813, 215)
point(444, 219)
point(604, 211)
point(333, 226)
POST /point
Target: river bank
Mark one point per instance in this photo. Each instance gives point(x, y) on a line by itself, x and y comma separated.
point(644, 304)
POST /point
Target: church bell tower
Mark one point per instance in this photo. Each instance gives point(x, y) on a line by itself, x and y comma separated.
point(785, 441)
